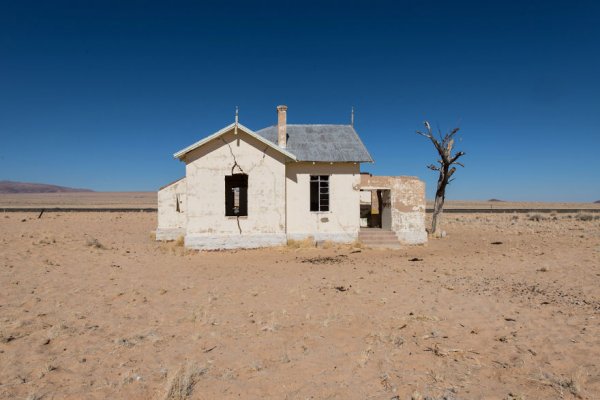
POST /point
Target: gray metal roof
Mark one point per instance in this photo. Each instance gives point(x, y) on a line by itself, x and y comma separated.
point(330, 143)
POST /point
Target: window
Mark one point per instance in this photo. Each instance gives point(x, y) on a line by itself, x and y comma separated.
point(319, 193)
point(236, 195)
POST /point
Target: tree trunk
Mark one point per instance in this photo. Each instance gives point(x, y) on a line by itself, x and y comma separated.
point(438, 206)
point(446, 160)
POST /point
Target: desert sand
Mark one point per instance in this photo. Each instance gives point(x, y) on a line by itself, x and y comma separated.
point(504, 307)
point(79, 200)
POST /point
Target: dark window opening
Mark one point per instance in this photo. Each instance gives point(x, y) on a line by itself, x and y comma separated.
point(319, 193)
point(236, 195)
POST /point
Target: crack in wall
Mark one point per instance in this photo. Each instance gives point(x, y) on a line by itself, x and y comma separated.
point(238, 224)
point(235, 164)
point(261, 162)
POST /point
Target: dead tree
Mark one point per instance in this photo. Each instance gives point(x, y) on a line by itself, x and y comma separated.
point(443, 145)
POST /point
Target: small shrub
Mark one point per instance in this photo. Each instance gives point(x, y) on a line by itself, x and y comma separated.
point(93, 242)
point(180, 241)
point(536, 217)
point(584, 217)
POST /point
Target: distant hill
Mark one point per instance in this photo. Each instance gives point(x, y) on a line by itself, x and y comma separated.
point(597, 202)
point(25, 187)
point(496, 200)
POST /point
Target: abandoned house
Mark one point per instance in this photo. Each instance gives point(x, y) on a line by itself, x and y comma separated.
point(247, 189)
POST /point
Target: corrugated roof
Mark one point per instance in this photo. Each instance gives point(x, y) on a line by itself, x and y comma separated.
point(329, 143)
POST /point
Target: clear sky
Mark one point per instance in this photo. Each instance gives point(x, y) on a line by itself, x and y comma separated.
point(100, 94)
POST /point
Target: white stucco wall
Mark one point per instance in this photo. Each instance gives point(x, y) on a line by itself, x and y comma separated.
point(341, 223)
point(171, 223)
point(365, 197)
point(206, 168)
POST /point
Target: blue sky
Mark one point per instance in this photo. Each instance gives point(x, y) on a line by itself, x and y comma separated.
point(100, 94)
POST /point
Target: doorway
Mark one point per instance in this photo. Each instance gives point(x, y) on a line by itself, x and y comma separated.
point(376, 209)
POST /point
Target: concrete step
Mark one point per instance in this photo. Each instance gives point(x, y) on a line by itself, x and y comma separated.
point(379, 239)
point(370, 233)
point(395, 245)
point(380, 243)
point(387, 239)
point(378, 235)
point(383, 246)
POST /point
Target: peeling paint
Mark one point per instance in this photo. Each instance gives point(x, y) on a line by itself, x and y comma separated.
point(407, 205)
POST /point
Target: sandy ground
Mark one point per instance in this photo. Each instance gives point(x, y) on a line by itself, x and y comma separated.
point(502, 308)
point(148, 200)
point(499, 205)
point(79, 200)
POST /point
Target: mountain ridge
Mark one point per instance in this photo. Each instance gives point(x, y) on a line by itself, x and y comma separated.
point(29, 187)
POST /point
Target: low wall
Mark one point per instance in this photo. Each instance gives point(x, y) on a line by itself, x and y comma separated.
point(171, 211)
point(407, 197)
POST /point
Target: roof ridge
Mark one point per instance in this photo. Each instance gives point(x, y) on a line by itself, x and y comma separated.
point(317, 125)
point(275, 125)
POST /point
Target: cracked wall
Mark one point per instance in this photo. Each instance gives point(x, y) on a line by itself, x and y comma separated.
point(206, 168)
point(407, 205)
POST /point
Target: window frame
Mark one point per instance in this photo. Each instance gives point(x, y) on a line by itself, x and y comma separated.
point(322, 184)
point(240, 182)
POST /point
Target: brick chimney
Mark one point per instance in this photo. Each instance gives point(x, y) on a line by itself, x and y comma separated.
point(282, 126)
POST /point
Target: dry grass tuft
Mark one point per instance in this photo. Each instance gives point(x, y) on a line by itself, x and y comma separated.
point(180, 241)
point(301, 244)
point(181, 385)
point(95, 243)
point(536, 217)
point(571, 384)
point(357, 244)
point(326, 244)
point(585, 217)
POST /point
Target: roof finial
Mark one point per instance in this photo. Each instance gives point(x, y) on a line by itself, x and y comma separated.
point(352, 117)
point(236, 119)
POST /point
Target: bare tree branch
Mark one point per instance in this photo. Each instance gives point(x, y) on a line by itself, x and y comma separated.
point(456, 157)
point(444, 147)
point(453, 132)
